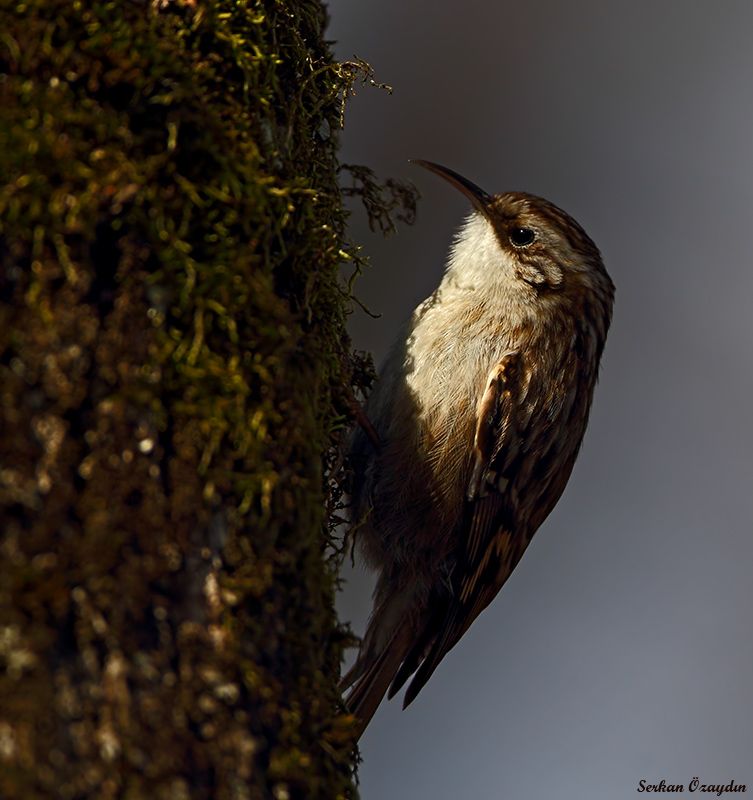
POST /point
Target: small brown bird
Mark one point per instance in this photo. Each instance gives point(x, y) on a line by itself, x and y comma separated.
point(479, 412)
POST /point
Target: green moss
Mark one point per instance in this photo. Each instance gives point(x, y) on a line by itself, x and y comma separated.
point(174, 375)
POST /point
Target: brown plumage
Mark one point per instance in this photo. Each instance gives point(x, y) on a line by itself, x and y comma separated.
point(480, 409)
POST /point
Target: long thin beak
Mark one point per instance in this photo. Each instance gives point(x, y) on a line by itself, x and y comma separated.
point(480, 199)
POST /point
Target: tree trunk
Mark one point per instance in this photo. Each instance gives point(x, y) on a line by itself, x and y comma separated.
point(173, 368)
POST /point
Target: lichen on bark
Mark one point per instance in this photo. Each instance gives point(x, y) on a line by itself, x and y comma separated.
point(174, 376)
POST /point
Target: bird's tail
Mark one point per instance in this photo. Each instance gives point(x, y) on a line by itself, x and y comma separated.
point(371, 675)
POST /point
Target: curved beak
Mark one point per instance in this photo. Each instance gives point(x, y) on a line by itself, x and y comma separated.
point(480, 199)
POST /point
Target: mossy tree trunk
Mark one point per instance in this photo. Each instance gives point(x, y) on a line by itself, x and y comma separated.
point(173, 373)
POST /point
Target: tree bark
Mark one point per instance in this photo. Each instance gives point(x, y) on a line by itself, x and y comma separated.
point(173, 372)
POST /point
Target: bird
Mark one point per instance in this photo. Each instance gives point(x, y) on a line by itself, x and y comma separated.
point(475, 421)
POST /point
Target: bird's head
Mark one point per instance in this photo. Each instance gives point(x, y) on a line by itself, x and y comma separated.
point(520, 241)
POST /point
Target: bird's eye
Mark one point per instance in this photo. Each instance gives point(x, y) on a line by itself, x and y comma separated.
point(521, 237)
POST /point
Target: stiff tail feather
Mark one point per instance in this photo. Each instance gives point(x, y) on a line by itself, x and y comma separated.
point(415, 654)
point(370, 681)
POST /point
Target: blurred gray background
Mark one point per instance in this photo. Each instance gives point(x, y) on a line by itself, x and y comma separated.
point(622, 647)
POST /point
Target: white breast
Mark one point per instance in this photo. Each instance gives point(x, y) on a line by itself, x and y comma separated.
point(468, 324)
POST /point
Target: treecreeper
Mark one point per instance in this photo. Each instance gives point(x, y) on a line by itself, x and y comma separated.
point(476, 419)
